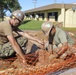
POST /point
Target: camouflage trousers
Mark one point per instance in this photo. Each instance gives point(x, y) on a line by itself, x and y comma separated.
point(7, 50)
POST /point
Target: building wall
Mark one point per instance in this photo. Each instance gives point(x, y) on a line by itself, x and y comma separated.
point(6, 18)
point(70, 18)
point(67, 17)
point(52, 18)
point(59, 16)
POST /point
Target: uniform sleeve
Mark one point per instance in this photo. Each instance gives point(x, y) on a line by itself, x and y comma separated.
point(62, 37)
point(8, 30)
point(18, 30)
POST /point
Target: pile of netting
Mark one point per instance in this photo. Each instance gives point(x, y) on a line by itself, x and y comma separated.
point(13, 66)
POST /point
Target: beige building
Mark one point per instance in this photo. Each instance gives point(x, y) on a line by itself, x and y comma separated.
point(6, 17)
point(65, 13)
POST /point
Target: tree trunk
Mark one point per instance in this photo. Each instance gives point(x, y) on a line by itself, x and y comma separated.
point(2, 14)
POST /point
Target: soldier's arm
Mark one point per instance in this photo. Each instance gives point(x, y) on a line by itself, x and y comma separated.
point(63, 39)
point(29, 37)
point(63, 49)
point(16, 46)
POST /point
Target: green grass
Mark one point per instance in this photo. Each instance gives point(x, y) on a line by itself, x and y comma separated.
point(0, 19)
point(31, 25)
point(69, 29)
point(36, 25)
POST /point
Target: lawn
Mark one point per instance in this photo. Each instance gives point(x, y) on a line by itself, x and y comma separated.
point(36, 25)
point(69, 29)
point(31, 25)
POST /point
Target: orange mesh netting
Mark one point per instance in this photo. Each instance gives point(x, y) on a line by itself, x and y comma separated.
point(17, 68)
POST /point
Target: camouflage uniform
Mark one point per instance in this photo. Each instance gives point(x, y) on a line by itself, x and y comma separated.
point(5, 46)
point(7, 50)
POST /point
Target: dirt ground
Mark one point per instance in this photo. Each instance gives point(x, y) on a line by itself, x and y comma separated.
point(16, 68)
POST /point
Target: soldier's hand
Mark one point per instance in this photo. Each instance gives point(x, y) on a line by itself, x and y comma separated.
point(41, 46)
point(21, 60)
point(40, 42)
point(24, 61)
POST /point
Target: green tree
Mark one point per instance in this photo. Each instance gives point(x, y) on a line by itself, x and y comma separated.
point(10, 5)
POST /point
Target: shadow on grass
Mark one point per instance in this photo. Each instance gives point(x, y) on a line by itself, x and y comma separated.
point(26, 21)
